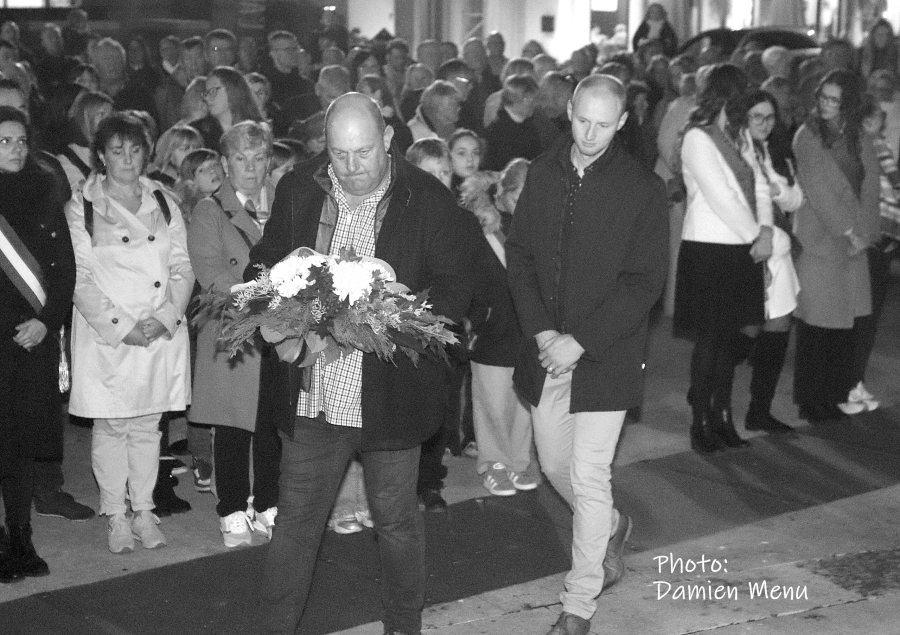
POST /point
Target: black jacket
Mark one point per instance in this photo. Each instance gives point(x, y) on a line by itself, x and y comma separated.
point(424, 238)
point(508, 140)
point(614, 256)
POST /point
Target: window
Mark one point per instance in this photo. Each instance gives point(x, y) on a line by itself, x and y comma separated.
point(473, 20)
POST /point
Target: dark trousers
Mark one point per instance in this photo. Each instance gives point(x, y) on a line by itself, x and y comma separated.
point(823, 371)
point(17, 490)
point(232, 460)
point(432, 470)
point(312, 468)
point(866, 327)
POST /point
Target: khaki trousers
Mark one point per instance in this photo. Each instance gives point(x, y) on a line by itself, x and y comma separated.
point(125, 454)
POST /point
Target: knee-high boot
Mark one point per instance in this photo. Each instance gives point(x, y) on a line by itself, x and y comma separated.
point(733, 351)
point(699, 395)
point(767, 361)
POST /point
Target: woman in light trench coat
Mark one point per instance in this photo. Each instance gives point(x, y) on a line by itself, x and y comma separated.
point(130, 356)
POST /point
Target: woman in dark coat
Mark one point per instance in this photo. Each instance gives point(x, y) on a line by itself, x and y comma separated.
point(656, 26)
point(37, 278)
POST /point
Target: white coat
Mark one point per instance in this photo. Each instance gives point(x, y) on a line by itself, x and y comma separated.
point(135, 267)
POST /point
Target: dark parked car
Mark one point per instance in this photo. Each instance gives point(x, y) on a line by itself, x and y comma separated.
point(743, 39)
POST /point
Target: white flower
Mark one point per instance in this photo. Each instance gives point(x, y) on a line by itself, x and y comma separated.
point(291, 275)
point(352, 280)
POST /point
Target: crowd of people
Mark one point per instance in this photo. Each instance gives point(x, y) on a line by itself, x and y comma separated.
point(134, 178)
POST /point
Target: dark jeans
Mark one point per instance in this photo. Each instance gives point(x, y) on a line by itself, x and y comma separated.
point(232, 460)
point(312, 468)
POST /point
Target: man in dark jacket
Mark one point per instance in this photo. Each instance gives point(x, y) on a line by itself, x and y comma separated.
point(361, 195)
point(587, 258)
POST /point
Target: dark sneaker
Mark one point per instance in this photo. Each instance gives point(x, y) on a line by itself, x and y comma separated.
point(202, 475)
point(431, 501)
point(61, 505)
point(167, 503)
point(613, 563)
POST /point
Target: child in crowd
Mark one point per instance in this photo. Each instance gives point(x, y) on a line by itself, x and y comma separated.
point(174, 144)
point(200, 175)
point(283, 159)
point(466, 150)
point(433, 156)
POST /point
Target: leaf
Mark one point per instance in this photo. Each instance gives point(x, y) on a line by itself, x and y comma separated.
point(270, 335)
point(289, 350)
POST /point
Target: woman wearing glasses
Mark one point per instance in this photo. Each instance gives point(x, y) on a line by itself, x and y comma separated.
point(766, 145)
point(838, 170)
point(230, 101)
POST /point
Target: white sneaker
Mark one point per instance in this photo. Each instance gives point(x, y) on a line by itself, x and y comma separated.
point(859, 394)
point(264, 521)
point(144, 527)
point(365, 518)
point(852, 407)
point(119, 539)
point(236, 529)
point(522, 481)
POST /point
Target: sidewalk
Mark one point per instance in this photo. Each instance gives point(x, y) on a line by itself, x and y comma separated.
point(817, 513)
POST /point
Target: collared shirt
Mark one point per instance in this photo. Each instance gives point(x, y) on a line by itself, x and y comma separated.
point(336, 389)
point(261, 207)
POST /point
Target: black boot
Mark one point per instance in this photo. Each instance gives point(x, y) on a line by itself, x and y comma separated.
point(767, 361)
point(21, 553)
point(722, 425)
point(733, 352)
point(9, 570)
point(164, 498)
point(702, 438)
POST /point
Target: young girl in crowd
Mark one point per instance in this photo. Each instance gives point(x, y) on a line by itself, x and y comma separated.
point(200, 175)
point(466, 150)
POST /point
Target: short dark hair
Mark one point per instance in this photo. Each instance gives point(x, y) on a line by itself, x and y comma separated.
point(428, 148)
point(193, 42)
point(123, 126)
point(398, 43)
point(193, 160)
point(8, 113)
point(219, 34)
point(454, 68)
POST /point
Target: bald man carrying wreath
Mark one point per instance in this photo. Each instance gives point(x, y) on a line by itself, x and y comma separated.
point(587, 257)
point(359, 194)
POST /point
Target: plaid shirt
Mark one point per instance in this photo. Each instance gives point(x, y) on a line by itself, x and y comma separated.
point(336, 389)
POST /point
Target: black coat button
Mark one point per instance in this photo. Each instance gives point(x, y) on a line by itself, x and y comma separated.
point(233, 261)
point(151, 238)
point(156, 284)
point(177, 322)
point(115, 320)
point(124, 239)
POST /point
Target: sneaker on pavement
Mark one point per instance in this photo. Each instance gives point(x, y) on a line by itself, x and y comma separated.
point(859, 394)
point(119, 538)
point(365, 518)
point(471, 450)
point(236, 529)
point(613, 563)
point(264, 521)
point(61, 505)
point(202, 470)
point(430, 500)
point(569, 624)
point(177, 465)
point(144, 527)
point(344, 526)
point(852, 407)
point(496, 481)
point(522, 481)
